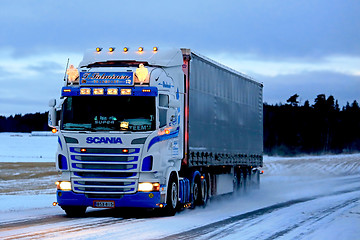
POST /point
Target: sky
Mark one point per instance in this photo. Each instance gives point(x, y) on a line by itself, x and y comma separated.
point(293, 47)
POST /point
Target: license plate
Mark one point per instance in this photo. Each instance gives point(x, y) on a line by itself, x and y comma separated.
point(103, 204)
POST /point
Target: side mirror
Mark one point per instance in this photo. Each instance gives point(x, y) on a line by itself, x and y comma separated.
point(52, 115)
point(52, 121)
point(52, 103)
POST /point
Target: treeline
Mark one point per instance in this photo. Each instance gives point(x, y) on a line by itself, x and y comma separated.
point(323, 127)
point(24, 123)
point(289, 129)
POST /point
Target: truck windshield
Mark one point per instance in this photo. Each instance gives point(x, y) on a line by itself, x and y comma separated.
point(108, 113)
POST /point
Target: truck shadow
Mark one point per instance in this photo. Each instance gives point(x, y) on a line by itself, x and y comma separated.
point(124, 213)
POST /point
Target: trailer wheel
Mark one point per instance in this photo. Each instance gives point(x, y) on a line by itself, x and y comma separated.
point(246, 179)
point(74, 211)
point(256, 179)
point(238, 181)
point(204, 192)
point(172, 199)
point(241, 181)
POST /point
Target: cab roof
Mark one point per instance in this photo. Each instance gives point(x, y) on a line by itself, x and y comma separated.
point(161, 57)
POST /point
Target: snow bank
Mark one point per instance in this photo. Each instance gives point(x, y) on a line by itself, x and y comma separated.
point(42, 133)
point(343, 164)
point(23, 147)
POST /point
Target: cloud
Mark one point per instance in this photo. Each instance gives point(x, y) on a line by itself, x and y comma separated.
point(336, 75)
point(280, 43)
point(283, 28)
point(28, 82)
point(255, 65)
point(31, 65)
point(308, 85)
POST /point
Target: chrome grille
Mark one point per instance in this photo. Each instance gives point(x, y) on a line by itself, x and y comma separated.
point(103, 187)
point(104, 171)
point(104, 158)
point(97, 166)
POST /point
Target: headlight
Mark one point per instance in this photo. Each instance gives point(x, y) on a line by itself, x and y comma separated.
point(148, 187)
point(65, 186)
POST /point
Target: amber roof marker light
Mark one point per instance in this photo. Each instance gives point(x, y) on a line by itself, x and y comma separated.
point(111, 49)
point(98, 49)
point(155, 49)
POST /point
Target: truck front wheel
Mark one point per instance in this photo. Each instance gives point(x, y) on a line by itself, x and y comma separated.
point(172, 197)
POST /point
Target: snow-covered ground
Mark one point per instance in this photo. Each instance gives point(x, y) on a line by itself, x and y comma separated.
point(25, 147)
point(300, 198)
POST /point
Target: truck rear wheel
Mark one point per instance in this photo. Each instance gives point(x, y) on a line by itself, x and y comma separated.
point(74, 211)
point(200, 193)
point(196, 193)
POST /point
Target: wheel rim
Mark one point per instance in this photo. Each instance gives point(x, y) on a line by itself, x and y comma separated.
point(204, 191)
point(196, 192)
point(174, 195)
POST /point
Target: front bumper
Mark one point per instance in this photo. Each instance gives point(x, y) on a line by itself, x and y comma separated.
point(139, 199)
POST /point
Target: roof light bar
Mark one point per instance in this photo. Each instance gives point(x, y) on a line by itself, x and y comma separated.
point(112, 91)
point(125, 91)
point(98, 91)
point(85, 91)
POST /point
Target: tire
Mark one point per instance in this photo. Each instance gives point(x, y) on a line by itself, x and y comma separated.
point(246, 179)
point(172, 198)
point(74, 211)
point(237, 181)
point(204, 193)
point(196, 194)
point(256, 179)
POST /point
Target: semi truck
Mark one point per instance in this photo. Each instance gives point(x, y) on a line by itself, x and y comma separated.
point(154, 128)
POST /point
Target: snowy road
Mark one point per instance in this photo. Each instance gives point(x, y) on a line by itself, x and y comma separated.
point(299, 198)
point(299, 208)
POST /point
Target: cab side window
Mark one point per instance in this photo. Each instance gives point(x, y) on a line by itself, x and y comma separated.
point(163, 108)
